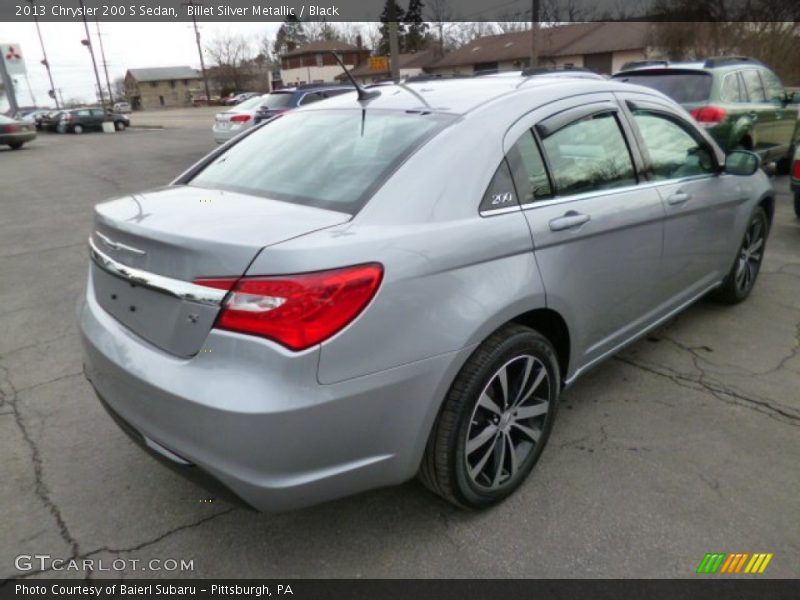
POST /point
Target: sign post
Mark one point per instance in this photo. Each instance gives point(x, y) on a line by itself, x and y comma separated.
point(11, 63)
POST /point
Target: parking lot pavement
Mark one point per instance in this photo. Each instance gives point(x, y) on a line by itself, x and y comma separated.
point(685, 444)
point(194, 117)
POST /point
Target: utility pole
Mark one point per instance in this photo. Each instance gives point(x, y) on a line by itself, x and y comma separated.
point(534, 62)
point(5, 78)
point(199, 49)
point(45, 62)
point(105, 64)
point(88, 43)
point(394, 46)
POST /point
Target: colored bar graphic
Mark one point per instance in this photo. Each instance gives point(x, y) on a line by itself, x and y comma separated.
point(720, 562)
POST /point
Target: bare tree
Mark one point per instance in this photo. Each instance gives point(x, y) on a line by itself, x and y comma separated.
point(118, 88)
point(440, 15)
point(229, 52)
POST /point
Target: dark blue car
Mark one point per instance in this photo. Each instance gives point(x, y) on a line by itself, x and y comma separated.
point(286, 99)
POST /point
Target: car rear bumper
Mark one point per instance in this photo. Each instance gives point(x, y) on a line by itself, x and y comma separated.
point(13, 138)
point(223, 135)
point(254, 417)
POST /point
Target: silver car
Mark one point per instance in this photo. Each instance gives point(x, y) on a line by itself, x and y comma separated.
point(230, 123)
point(364, 290)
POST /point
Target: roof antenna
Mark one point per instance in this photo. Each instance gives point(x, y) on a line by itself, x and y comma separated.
point(362, 93)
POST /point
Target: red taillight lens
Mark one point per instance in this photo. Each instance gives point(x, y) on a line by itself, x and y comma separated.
point(708, 115)
point(9, 128)
point(240, 118)
point(796, 169)
point(297, 311)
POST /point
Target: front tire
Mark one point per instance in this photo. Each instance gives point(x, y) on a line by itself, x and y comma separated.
point(119, 126)
point(742, 277)
point(495, 420)
point(797, 204)
point(77, 129)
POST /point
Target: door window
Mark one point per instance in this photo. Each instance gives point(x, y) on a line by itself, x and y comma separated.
point(730, 90)
point(673, 151)
point(773, 87)
point(589, 154)
point(754, 86)
point(528, 170)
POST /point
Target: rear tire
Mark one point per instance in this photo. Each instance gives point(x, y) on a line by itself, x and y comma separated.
point(77, 129)
point(16, 145)
point(740, 280)
point(495, 420)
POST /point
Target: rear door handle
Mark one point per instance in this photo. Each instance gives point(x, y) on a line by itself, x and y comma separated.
point(678, 198)
point(570, 220)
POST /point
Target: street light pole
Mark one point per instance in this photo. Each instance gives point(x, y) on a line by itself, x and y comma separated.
point(394, 46)
point(534, 62)
point(45, 62)
point(105, 64)
point(199, 49)
point(88, 43)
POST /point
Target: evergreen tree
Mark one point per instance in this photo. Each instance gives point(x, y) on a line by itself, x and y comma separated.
point(292, 32)
point(399, 15)
point(416, 37)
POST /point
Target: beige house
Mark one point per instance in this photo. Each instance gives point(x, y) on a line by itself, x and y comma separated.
point(602, 47)
point(313, 62)
point(161, 87)
point(377, 68)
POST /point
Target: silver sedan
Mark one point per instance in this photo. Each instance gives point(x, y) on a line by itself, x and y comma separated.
point(403, 283)
point(14, 133)
point(230, 123)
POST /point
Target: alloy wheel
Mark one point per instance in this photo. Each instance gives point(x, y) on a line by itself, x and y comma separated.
point(750, 255)
point(507, 422)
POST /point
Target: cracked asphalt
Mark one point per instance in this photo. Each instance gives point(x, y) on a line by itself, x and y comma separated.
point(686, 443)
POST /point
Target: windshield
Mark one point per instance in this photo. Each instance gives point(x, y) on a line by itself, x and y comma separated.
point(277, 100)
point(332, 159)
point(684, 87)
point(249, 103)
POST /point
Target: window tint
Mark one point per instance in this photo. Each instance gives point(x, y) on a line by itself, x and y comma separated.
point(311, 97)
point(501, 192)
point(673, 151)
point(590, 154)
point(98, 112)
point(330, 159)
point(683, 87)
point(753, 85)
point(528, 170)
point(277, 100)
point(774, 87)
point(729, 91)
point(82, 113)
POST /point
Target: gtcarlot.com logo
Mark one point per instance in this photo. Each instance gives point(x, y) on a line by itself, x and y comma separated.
point(734, 563)
point(45, 562)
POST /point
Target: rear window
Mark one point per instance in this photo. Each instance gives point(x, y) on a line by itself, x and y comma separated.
point(277, 100)
point(249, 103)
point(684, 88)
point(332, 159)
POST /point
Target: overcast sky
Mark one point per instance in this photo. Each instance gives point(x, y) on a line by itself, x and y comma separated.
point(127, 45)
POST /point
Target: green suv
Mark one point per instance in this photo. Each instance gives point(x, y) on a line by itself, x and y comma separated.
point(740, 101)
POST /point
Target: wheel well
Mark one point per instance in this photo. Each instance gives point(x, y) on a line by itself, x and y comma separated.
point(768, 204)
point(552, 326)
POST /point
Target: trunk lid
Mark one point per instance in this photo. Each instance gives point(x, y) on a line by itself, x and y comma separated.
point(183, 233)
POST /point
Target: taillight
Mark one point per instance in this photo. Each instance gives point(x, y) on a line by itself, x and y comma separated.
point(297, 311)
point(796, 169)
point(9, 128)
point(240, 118)
point(708, 115)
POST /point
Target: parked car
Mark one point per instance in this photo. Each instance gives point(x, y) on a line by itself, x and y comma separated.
point(15, 132)
point(286, 99)
point(795, 181)
point(359, 291)
point(122, 108)
point(235, 99)
point(80, 120)
point(740, 101)
point(49, 121)
point(232, 122)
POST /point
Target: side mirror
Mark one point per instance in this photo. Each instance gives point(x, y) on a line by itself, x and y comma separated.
point(742, 162)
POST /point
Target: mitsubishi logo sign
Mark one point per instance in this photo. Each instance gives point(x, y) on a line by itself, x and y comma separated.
point(12, 55)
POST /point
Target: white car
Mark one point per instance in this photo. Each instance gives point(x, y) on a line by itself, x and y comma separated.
point(237, 119)
point(122, 107)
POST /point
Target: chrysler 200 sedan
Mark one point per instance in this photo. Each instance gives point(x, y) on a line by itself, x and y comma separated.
point(370, 288)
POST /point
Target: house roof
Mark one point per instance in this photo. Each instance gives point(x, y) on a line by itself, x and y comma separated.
point(162, 73)
point(561, 40)
point(322, 46)
point(411, 60)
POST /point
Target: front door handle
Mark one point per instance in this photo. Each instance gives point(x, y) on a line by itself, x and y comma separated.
point(570, 220)
point(678, 197)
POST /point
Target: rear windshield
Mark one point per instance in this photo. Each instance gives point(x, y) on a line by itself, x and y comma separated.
point(248, 104)
point(684, 88)
point(332, 159)
point(277, 100)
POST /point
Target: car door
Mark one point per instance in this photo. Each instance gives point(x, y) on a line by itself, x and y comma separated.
point(760, 112)
point(699, 200)
point(98, 116)
point(597, 232)
point(785, 114)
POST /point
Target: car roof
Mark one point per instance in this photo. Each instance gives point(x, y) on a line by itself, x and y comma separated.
point(462, 95)
point(706, 65)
